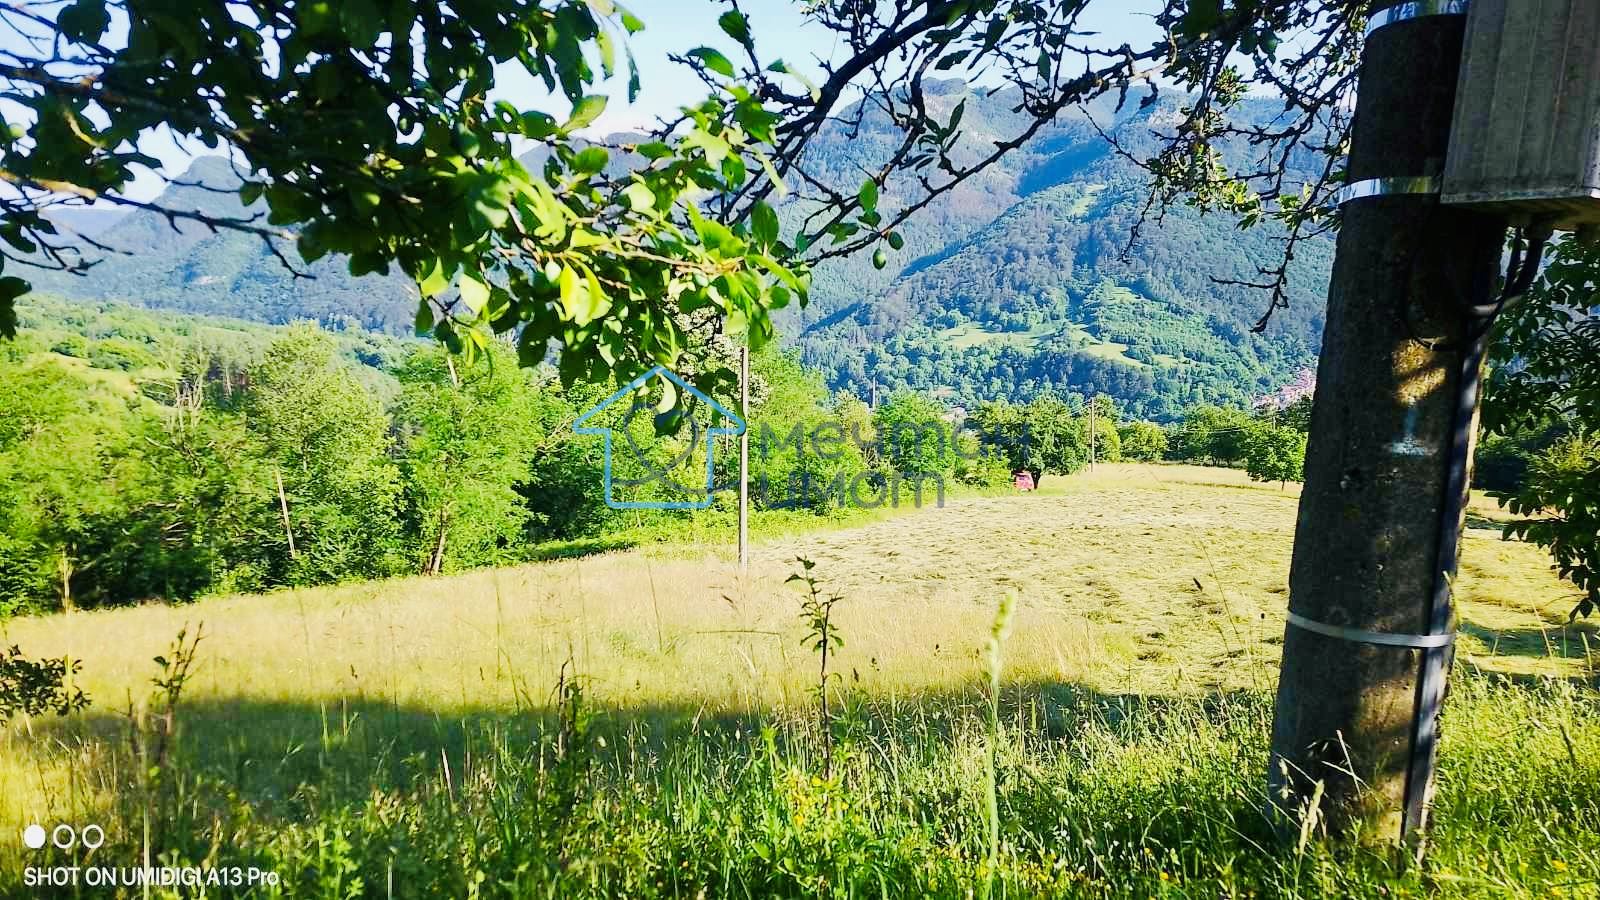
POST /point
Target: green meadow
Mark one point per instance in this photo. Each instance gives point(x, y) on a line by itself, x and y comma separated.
point(648, 721)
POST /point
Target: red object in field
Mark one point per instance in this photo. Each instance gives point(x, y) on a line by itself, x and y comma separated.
point(1023, 480)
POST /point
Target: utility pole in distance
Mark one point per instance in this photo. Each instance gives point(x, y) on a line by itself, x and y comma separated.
point(1353, 721)
point(744, 459)
point(1092, 398)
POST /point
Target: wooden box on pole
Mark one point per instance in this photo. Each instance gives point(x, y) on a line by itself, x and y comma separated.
point(1525, 136)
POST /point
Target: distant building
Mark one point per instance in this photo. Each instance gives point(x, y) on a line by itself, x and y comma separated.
point(1301, 386)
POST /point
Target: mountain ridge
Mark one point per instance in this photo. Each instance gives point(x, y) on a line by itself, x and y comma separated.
point(1018, 281)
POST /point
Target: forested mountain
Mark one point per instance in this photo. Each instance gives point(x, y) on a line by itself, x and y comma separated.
point(1027, 279)
point(1021, 279)
point(188, 267)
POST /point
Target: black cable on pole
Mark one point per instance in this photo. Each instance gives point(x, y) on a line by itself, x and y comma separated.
point(1520, 275)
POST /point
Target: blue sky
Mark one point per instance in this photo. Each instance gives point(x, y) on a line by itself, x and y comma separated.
point(674, 26)
point(781, 31)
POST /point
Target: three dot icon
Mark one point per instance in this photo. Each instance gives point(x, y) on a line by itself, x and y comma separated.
point(64, 837)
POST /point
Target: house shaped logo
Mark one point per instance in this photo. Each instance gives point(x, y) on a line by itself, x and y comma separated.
point(694, 497)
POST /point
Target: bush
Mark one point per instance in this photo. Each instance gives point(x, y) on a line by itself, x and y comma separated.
point(1499, 464)
point(1143, 441)
point(31, 688)
point(1275, 453)
point(981, 466)
point(119, 355)
point(1566, 521)
point(74, 345)
point(1213, 434)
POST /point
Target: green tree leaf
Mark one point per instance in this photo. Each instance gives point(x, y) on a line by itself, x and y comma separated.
point(868, 195)
point(764, 224)
point(585, 111)
point(714, 60)
point(639, 196)
point(435, 280)
point(590, 160)
point(474, 293)
point(11, 287)
point(84, 20)
point(736, 25)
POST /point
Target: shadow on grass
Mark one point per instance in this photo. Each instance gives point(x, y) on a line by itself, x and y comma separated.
point(1175, 780)
point(1558, 639)
point(285, 757)
point(1480, 522)
point(581, 547)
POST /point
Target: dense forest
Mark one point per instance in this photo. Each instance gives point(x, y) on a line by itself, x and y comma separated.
point(158, 456)
point(169, 456)
point(1054, 272)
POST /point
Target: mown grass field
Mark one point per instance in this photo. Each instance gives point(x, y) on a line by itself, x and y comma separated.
point(418, 736)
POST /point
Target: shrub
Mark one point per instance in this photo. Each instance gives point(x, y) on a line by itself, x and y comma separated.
point(1143, 441)
point(1213, 434)
point(33, 688)
point(1558, 494)
point(1275, 453)
point(74, 345)
point(120, 355)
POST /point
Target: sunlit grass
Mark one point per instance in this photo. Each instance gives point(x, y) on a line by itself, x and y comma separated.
point(1138, 678)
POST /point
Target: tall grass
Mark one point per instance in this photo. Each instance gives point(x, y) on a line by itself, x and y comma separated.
point(997, 637)
point(440, 739)
point(1092, 797)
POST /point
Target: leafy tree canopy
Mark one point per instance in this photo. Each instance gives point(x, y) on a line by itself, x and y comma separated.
point(1274, 453)
point(1546, 381)
point(368, 131)
point(470, 438)
point(1042, 435)
point(1143, 441)
point(1215, 433)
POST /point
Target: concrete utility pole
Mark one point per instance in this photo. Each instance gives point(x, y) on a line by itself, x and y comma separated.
point(1354, 710)
point(1091, 433)
point(744, 459)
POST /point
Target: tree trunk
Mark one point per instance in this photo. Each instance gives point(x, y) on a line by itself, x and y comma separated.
point(1349, 751)
point(283, 508)
point(436, 560)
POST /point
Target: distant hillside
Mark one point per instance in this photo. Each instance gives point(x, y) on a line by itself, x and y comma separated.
point(1022, 279)
point(1028, 280)
point(87, 221)
point(190, 268)
point(143, 350)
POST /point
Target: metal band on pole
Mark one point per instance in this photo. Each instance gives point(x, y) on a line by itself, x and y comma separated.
point(1426, 185)
point(1415, 10)
point(1382, 639)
